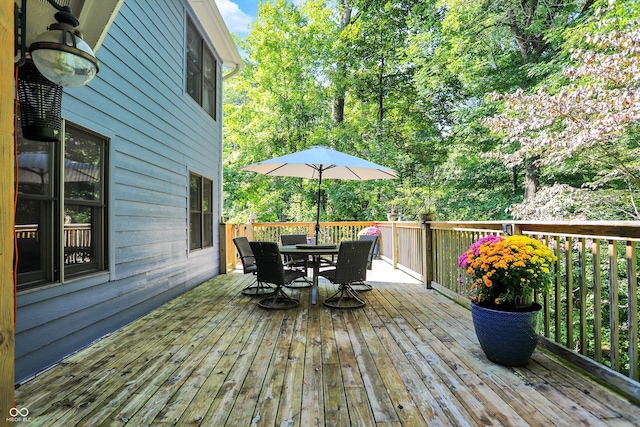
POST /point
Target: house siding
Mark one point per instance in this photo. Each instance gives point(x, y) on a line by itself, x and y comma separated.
point(158, 134)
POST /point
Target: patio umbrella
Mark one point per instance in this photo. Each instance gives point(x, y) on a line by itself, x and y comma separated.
point(322, 162)
point(34, 168)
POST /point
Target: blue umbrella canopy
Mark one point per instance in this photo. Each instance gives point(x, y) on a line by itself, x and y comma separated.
point(320, 162)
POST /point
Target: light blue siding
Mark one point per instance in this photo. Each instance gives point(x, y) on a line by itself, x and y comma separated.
point(158, 134)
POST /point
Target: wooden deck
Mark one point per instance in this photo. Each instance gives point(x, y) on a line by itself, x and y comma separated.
point(408, 358)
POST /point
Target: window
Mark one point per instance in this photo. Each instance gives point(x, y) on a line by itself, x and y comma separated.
point(61, 208)
point(200, 212)
point(201, 71)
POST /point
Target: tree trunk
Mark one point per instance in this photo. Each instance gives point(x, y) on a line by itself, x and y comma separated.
point(531, 179)
point(338, 107)
point(338, 102)
point(381, 92)
point(529, 45)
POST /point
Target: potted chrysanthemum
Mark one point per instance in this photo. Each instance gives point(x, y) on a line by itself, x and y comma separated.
point(505, 274)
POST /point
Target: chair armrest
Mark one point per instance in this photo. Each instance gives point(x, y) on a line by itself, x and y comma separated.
point(288, 263)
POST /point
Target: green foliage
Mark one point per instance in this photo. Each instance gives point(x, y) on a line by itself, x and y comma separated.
point(414, 75)
point(601, 299)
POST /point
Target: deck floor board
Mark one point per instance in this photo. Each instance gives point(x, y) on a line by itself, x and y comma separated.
point(211, 357)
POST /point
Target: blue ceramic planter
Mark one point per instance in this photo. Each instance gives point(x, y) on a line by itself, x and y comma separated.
point(507, 337)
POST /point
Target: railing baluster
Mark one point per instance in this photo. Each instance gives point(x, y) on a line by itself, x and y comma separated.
point(613, 307)
point(546, 299)
point(632, 307)
point(597, 302)
point(582, 296)
point(569, 291)
point(557, 295)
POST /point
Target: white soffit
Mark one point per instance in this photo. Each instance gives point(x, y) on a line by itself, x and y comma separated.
point(211, 21)
point(95, 18)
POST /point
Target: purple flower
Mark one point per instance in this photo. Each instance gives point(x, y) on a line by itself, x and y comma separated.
point(371, 231)
point(463, 260)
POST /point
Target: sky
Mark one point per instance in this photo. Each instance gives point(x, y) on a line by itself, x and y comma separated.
point(238, 14)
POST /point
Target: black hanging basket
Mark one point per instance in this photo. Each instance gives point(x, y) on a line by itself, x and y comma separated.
point(40, 105)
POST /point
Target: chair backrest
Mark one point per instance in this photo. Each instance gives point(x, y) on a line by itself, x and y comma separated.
point(269, 262)
point(352, 261)
point(373, 240)
point(293, 239)
point(246, 254)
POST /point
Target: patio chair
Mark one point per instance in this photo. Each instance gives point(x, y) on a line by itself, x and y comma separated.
point(362, 285)
point(351, 267)
point(249, 266)
point(374, 240)
point(271, 270)
point(296, 262)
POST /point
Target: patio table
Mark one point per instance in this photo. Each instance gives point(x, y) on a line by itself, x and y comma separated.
point(315, 252)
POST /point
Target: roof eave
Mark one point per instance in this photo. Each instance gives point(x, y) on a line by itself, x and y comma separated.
point(212, 23)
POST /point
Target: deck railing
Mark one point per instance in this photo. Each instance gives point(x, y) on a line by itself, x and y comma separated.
point(591, 315)
point(76, 241)
point(330, 232)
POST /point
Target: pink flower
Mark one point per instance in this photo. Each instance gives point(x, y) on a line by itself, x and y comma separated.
point(463, 259)
point(371, 231)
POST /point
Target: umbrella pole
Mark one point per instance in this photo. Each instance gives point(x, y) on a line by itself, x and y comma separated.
point(318, 212)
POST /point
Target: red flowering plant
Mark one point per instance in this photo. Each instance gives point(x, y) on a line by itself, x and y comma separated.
point(507, 271)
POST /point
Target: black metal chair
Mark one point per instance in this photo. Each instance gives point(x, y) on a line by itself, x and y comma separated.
point(296, 262)
point(351, 267)
point(249, 266)
point(271, 270)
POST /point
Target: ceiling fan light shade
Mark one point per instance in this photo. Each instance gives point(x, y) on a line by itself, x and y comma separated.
point(63, 57)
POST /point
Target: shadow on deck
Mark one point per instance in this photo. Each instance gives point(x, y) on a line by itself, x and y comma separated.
point(409, 357)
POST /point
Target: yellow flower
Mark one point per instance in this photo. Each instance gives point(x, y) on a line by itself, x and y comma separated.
point(500, 267)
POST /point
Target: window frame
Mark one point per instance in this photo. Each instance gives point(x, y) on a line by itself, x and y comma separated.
point(51, 213)
point(200, 214)
point(195, 64)
point(98, 217)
